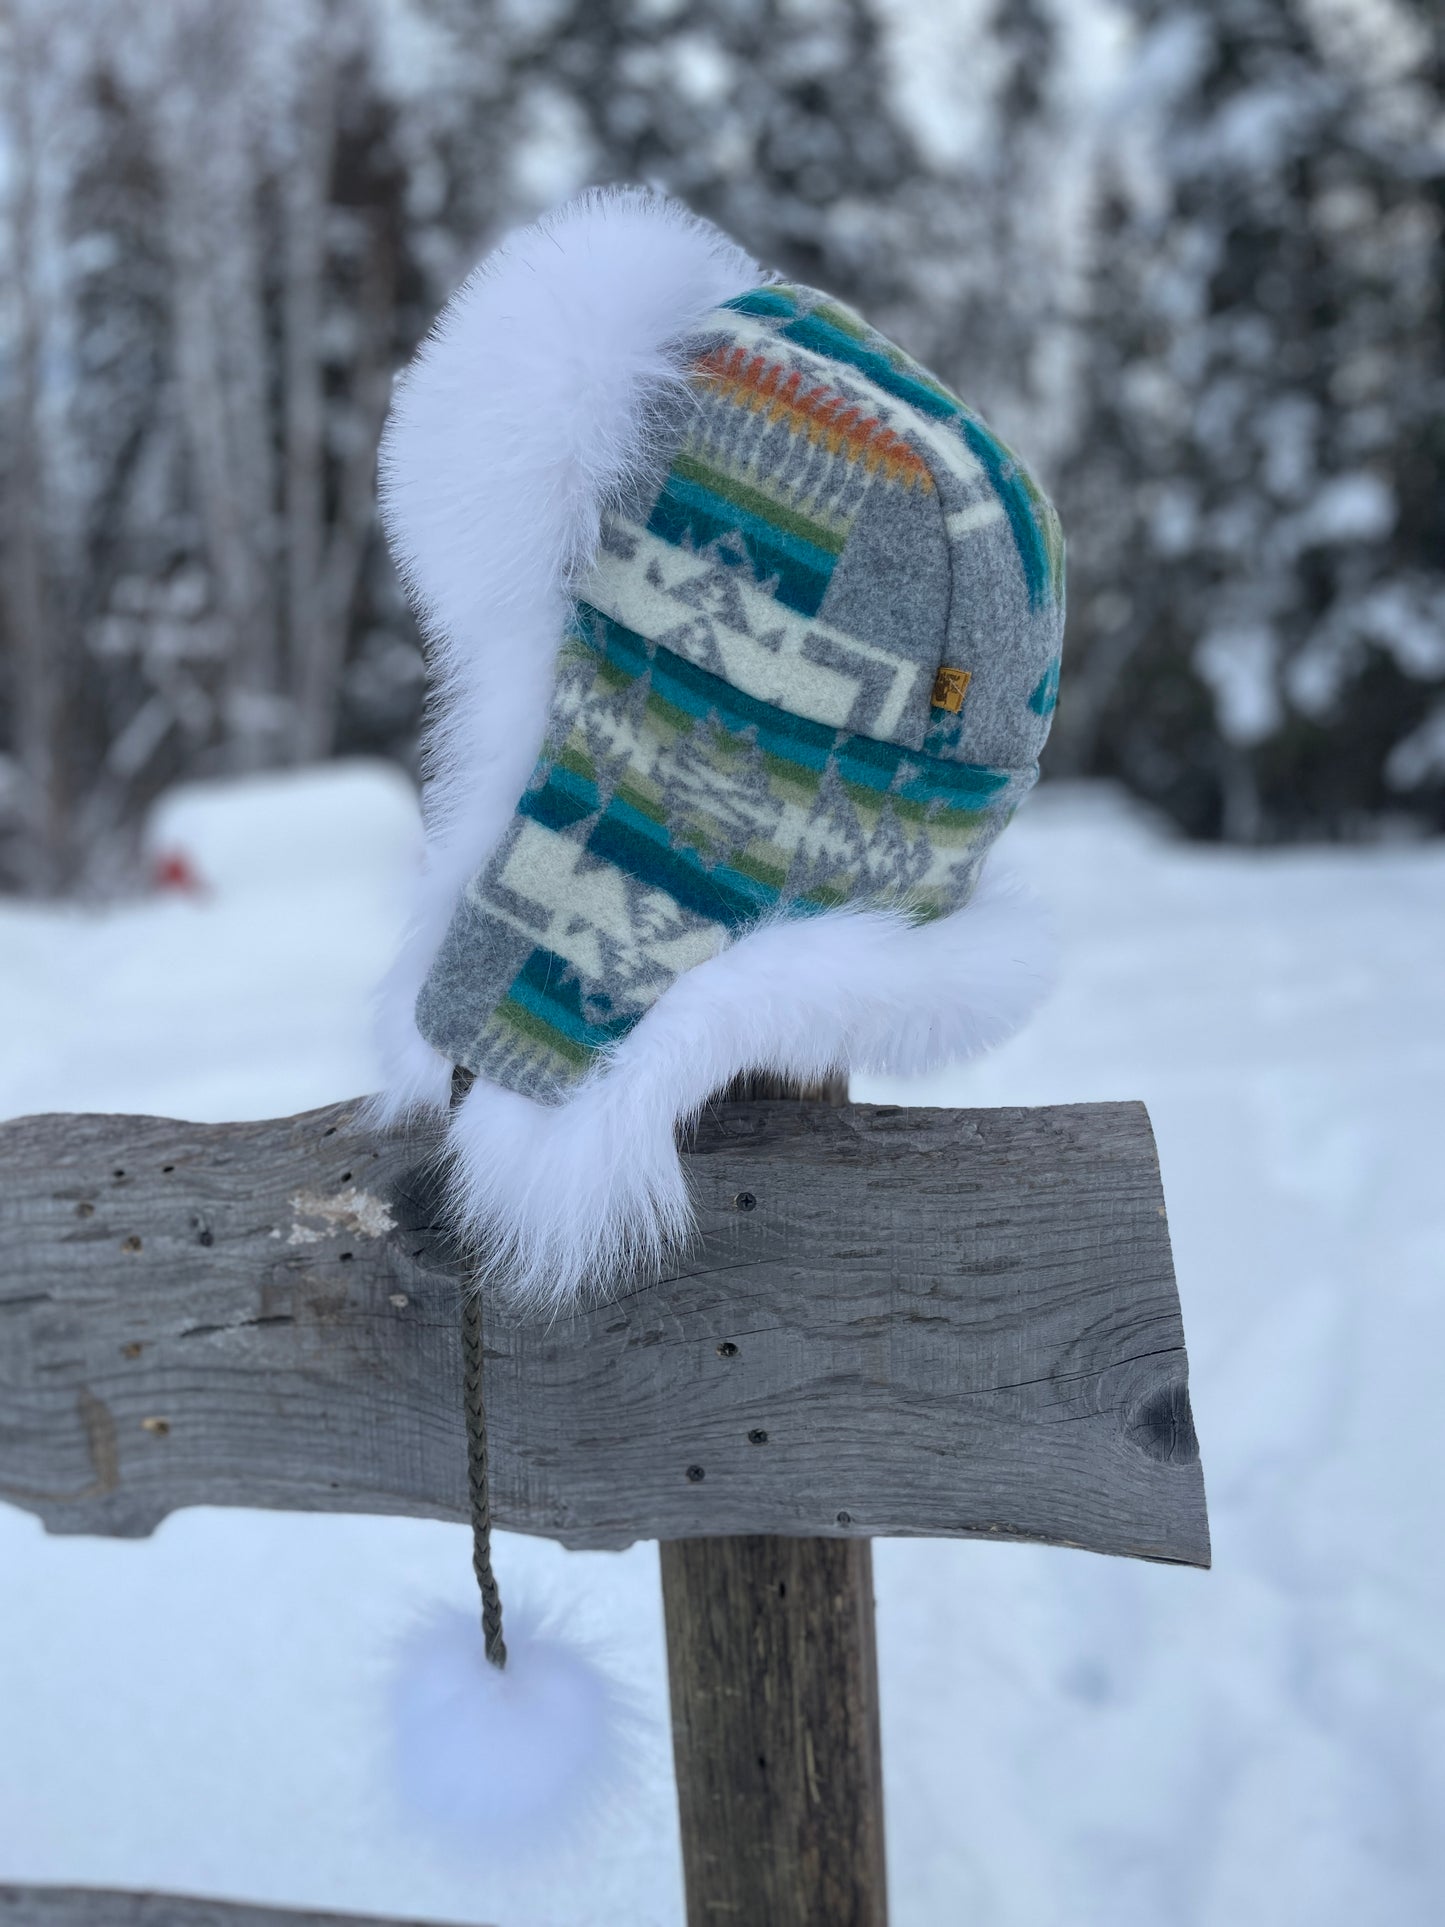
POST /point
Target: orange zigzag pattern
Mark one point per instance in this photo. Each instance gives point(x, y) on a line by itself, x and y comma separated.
point(824, 416)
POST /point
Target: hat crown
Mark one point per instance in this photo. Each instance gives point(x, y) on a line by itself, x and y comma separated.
point(838, 534)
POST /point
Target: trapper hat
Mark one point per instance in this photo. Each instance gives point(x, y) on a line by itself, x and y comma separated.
point(745, 633)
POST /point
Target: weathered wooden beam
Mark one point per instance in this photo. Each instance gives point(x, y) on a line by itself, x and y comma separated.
point(892, 1321)
point(773, 1676)
point(104, 1907)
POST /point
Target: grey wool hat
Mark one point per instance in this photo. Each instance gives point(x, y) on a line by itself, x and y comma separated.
point(747, 637)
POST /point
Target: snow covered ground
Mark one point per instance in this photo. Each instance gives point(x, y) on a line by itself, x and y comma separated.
point(1067, 1739)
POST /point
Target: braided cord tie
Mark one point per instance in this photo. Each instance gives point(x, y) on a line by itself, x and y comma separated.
point(481, 1499)
point(478, 1490)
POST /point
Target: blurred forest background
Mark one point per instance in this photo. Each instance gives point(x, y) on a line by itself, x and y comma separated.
point(1189, 258)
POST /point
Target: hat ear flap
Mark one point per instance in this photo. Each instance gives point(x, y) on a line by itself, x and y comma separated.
point(560, 1199)
point(534, 402)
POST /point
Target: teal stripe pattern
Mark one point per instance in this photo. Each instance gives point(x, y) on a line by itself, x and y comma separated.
point(689, 513)
point(813, 331)
point(1045, 696)
point(547, 987)
point(885, 767)
point(623, 836)
point(648, 850)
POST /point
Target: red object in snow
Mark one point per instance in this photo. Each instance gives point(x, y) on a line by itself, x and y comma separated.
point(174, 870)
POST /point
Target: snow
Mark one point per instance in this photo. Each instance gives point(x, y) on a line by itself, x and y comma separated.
point(1239, 663)
point(1420, 755)
point(1067, 1739)
point(1359, 507)
point(247, 1000)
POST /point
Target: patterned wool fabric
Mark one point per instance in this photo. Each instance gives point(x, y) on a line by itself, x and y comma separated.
point(815, 667)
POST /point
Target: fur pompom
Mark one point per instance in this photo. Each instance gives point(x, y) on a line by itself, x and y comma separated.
point(515, 1761)
point(533, 403)
point(560, 1197)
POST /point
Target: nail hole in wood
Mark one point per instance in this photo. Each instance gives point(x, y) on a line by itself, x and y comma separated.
point(757, 1436)
point(132, 1243)
point(727, 1349)
point(695, 1475)
point(168, 1167)
point(330, 1131)
point(845, 1518)
point(346, 1177)
point(345, 1258)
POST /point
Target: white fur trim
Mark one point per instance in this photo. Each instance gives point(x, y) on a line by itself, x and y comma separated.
point(564, 1197)
point(530, 406)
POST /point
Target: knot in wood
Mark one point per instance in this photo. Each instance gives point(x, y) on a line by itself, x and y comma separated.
point(1162, 1424)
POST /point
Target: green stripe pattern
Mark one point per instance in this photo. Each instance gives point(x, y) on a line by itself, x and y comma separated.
point(633, 829)
point(699, 504)
point(831, 330)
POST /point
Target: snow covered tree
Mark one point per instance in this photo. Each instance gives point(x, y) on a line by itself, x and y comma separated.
point(1211, 317)
point(210, 291)
point(1257, 502)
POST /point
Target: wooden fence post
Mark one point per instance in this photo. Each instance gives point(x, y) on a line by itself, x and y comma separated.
point(774, 1679)
point(773, 1673)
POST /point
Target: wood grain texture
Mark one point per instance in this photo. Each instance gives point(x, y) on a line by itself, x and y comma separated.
point(101, 1907)
point(773, 1676)
point(772, 1668)
point(892, 1321)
